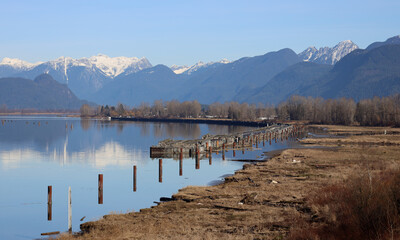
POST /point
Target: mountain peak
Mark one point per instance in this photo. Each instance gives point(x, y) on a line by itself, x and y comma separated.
point(18, 63)
point(327, 55)
point(346, 42)
point(389, 41)
point(44, 79)
point(200, 64)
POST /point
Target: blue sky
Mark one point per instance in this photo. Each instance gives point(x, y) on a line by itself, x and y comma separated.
point(184, 32)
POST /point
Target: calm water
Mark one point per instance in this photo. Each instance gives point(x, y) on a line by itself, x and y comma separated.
point(39, 151)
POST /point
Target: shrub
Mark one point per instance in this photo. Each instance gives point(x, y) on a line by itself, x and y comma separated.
point(365, 207)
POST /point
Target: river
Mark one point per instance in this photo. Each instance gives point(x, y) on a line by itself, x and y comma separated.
point(41, 151)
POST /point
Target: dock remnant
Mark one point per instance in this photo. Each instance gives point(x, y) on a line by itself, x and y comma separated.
point(170, 148)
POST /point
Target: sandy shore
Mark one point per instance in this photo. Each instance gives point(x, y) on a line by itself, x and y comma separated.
point(261, 201)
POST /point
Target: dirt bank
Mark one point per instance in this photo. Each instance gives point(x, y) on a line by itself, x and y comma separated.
point(261, 201)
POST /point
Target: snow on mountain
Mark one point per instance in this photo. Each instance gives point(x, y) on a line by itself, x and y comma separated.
point(327, 55)
point(189, 70)
point(115, 66)
point(18, 63)
point(179, 69)
point(110, 66)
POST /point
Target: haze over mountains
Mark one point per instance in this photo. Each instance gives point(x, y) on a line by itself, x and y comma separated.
point(343, 70)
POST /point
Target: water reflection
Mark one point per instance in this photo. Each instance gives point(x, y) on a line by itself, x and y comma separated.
point(65, 152)
point(100, 143)
point(110, 154)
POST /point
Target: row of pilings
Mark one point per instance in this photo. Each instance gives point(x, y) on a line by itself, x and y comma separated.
point(215, 143)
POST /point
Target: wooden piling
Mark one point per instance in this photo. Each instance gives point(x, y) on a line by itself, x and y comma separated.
point(197, 159)
point(234, 153)
point(49, 194)
point(69, 210)
point(49, 202)
point(134, 178)
point(50, 233)
point(100, 195)
point(180, 164)
point(160, 170)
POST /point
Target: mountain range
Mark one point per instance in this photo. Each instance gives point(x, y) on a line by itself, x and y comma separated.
point(83, 76)
point(42, 93)
point(338, 71)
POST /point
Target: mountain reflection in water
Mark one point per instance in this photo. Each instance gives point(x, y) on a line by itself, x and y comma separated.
point(97, 142)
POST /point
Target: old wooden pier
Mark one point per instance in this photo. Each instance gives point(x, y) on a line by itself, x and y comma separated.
point(215, 143)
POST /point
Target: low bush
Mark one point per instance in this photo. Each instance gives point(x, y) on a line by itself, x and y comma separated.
point(363, 207)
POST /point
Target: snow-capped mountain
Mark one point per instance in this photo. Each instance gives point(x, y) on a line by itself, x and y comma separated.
point(327, 55)
point(113, 67)
point(179, 69)
point(84, 76)
point(189, 70)
point(110, 66)
point(18, 63)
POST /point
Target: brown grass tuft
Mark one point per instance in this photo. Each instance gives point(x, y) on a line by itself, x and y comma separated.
point(363, 207)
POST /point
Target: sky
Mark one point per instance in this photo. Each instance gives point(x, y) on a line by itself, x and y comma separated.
point(185, 32)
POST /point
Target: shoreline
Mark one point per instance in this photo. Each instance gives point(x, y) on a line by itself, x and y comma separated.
point(262, 200)
point(198, 121)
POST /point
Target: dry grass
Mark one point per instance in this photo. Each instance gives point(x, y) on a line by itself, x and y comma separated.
point(363, 207)
point(262, 201)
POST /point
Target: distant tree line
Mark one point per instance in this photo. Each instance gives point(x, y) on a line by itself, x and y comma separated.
point(378, 111)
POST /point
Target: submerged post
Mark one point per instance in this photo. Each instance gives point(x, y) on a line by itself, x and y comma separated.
point(160, 170)
point(100, 189)
point(69, 210)
point(134, 178)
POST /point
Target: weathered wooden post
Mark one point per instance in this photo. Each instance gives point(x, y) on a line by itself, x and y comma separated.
point(234, 153)
point(210, 158)
point(100, 195)
point(181, 162)
point(49, 202)
point(160, 170)
point(223, 155)
point(69, 210)
point(134, 178)
point(197, 159)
